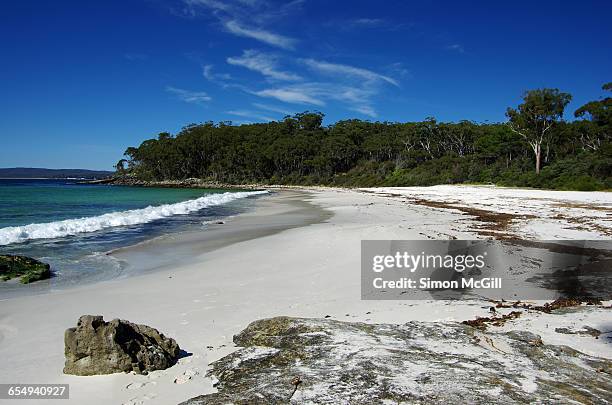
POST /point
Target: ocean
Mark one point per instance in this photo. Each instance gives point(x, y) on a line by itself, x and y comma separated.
point(72, 226)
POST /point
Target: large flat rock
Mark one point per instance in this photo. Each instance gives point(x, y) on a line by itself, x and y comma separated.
point(418, 362)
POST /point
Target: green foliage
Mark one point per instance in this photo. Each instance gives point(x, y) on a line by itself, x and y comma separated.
point(445, 170)
point(300, 150)
point(599, 111)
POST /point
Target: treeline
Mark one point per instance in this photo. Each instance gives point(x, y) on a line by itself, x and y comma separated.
point(535, 148)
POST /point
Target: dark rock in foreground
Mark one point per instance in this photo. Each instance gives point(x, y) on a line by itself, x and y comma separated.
point(333, 362)
point(99, 347)
point(28, 269)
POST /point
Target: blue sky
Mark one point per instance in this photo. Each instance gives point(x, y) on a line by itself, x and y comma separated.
point(83, 80)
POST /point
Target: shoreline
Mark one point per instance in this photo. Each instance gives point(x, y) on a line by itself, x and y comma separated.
point(201, 183)
point(306, 271)
point(272, 213)
point(185, 183)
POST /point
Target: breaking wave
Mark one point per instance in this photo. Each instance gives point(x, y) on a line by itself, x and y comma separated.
point(68, 227)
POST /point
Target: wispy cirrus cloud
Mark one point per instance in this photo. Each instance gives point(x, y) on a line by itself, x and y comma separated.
point(365, 110)
point(192, 6)
point(250, 114)
point(318, 94)
point(354, 24)
point(356, 98)
point(210, 75)
point(355, 90)
point(188, 96)
point(263, 63)
point(456, 48)
point(400, 69)
point(260, 34)
point(339, 69)
point(368, 22)
point(310, 81)
point(254, 11)
point(233, 15)
point(290, 95)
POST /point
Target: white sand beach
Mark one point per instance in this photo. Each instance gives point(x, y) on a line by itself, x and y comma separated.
point(307, 266)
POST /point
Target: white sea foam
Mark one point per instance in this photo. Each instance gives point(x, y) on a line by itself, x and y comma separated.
point(58, 229)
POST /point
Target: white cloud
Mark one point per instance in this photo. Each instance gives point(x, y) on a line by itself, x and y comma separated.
point(250, 2)
point(338, 69)
point(354, 98)
point(250, 114)
point(188, 96)
point(292, 83)
point(263, 63)
point(357, 98)
point(213, 4)
point(289, 95)
point(207, 72)
point(368, 21)
point(259, 34)
point(275, 11)
point(254, 11)
point(400, 69)
point(365, 110)
point(246, 18)
point(456, 47)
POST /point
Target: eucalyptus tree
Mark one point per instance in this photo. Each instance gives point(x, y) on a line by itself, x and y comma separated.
point(534, 118)
point(596, 127)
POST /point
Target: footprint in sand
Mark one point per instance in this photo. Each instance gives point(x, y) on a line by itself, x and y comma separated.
point(137, 385)
point(140, 400)
point(182, 379)
point(191, 372)
point(186, 376)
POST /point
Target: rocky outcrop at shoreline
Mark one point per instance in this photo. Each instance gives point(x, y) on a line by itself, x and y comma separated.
point(99, 347)
point(26, 268)
point(196, 183)
point(321, 361)
point(183, 183)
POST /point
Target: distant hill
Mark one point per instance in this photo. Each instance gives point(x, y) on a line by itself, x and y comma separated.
point(37, 173)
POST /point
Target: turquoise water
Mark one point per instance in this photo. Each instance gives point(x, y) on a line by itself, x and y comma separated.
point(72, 226)
point(24, 202)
